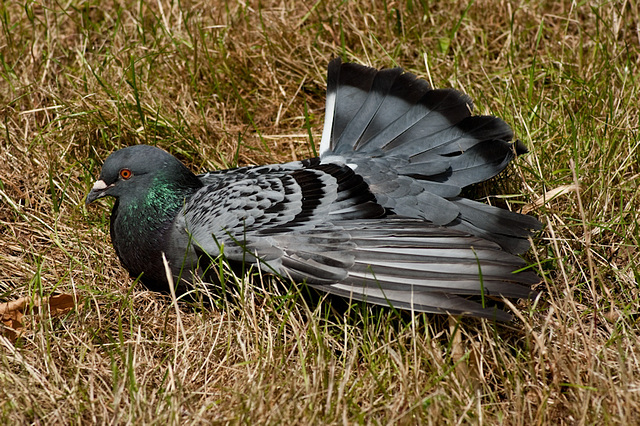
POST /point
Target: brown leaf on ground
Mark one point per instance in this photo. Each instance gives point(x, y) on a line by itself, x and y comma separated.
point(60, 304)
point(13, 306)
point(13, 312)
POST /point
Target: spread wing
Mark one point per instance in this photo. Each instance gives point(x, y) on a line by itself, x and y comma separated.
point(320, 224)
point(405, 263)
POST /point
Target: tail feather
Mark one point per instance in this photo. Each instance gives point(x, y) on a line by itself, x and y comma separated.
point(350, 83)
point(437, 111)
point(370, 108)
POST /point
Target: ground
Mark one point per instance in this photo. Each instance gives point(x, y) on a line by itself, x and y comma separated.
point(225, 83)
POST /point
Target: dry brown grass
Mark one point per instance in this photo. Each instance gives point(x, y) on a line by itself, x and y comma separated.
point(226, 83)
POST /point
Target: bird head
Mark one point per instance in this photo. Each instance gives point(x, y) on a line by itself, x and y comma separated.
point(131, 171)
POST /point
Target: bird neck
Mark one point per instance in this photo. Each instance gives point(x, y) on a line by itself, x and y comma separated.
point(139, 227)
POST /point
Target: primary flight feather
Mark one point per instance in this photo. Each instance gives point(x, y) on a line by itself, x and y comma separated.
point(377, 216)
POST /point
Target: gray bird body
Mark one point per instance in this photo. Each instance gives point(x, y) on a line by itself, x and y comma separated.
point(377, 217)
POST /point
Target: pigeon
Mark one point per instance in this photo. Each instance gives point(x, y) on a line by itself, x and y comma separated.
point(377, 217)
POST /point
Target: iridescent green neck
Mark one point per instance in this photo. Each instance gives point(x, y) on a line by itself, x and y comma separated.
point(140, 224)
point(154, 210)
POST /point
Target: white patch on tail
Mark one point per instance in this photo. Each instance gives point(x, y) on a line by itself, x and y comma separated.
point(328, 123)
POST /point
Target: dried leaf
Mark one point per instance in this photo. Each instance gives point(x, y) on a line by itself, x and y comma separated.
point(12, 313)
point(60, 304)
point(14, 305)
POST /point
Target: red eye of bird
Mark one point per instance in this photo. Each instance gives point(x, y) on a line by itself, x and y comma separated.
point(125, 173)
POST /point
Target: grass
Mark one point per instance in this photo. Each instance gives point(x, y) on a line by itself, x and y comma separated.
point(222, 83)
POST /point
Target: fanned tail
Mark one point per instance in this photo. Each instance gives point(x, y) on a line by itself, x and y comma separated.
point(417, 147)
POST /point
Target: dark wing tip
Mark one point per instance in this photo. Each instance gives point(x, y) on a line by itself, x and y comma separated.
point(520, 147)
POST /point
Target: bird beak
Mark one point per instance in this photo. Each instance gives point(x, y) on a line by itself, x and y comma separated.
point(99, 190)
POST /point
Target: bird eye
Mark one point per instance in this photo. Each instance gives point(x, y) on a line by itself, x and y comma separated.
point(125, 173)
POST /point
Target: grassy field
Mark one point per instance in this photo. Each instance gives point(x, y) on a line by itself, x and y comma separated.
point(225, 83)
